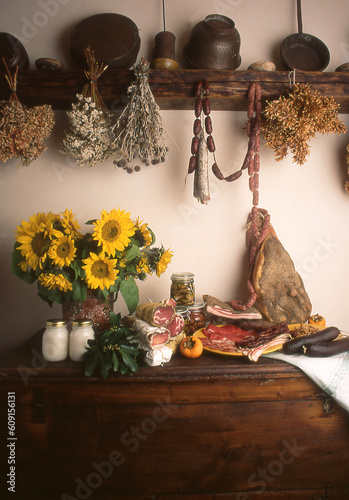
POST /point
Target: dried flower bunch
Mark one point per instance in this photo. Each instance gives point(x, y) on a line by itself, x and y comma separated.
point(23, 130)
point(90, 138)
point(291, 121)
point(139, 130)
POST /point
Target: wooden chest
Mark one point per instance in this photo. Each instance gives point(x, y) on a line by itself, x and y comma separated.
point(213, 428)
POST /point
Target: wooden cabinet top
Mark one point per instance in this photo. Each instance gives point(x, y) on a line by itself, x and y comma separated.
point(209, 366)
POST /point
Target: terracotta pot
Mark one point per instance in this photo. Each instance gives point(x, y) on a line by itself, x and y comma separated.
point(92, 309)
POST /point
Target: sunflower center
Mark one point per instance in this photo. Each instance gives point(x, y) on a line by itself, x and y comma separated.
point(40, 244)
point(99, 269)
point(63, 250)
point(111, 230)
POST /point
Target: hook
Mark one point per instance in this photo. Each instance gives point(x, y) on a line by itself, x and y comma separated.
point(294, 77)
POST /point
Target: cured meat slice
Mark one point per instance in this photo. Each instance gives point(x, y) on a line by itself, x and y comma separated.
point(150, 336)
point(281, 295)
point(227, 332)
point(175, 327)
point(224, 310)
point(156, 313)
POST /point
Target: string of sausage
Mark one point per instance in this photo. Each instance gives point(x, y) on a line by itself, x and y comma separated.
point(256, 231)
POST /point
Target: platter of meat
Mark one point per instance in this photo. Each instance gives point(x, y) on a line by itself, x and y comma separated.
point(231, 340)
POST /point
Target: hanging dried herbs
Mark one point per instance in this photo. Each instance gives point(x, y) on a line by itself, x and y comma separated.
point(22, 130)
point(291, 121)
point(90, 138)
point(139, 129)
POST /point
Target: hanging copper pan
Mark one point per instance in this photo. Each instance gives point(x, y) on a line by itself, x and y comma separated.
point(303, 51)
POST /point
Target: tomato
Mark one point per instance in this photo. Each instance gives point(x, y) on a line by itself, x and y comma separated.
point(191, 347)
point(317, 320)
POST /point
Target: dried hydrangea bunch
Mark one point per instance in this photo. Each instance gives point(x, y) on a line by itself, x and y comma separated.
point(291, 121)
point(23, 130)
point(90, 138)
point(139, 130)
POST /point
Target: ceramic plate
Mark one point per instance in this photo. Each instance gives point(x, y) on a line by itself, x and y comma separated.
point(200, 333)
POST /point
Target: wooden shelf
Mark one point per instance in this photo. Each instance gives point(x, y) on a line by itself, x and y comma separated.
point(173, 90)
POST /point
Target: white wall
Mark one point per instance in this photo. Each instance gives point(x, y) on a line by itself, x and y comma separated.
point(308, 205)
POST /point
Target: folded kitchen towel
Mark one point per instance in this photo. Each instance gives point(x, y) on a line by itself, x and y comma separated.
point(331, 374)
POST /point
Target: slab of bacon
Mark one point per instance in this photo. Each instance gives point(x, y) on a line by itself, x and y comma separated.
point(230, 338)
point(224, 310)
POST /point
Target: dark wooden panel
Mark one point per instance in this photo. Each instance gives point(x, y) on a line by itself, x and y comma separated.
point(173, 89)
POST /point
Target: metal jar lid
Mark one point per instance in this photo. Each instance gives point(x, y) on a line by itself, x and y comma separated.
point(82, 322)
point(182, 276)
point(56, 322)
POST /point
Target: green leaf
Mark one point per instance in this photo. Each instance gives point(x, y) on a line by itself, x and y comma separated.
point(91, 221)
point(132, 253)
point(106, 364)
point(91, 362)
point(27, 276)
point(79, 292)
point(130, 293)
point(115, 361)
point(129, 361)
point(115, 319)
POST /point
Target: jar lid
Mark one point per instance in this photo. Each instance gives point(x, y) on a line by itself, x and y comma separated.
point(82, 322)
point(56, 322)
point(197, 306)
point(181, 309)
point(182, 276)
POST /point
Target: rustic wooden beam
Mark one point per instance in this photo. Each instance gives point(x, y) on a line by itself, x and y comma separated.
point(173, 90)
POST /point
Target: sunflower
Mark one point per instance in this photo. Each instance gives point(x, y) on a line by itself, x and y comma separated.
point(100, 271)
point(113, 231)
point(143, 265)
point(35, 238)
point(62, 252)
point(163, 262)
point(143, 234)
point(70, 225)
point(55, 281)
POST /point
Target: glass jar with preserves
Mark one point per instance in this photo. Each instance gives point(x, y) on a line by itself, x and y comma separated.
point(55, 340)
point(82, 331)
point(196, 317)
point(183, 288)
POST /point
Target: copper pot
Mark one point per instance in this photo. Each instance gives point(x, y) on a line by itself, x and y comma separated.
point(214, 43)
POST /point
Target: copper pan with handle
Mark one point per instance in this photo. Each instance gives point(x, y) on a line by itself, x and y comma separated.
point(302, 51)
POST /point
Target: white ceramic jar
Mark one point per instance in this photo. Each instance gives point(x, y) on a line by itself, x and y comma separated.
point(81, 332)
point(55, 340)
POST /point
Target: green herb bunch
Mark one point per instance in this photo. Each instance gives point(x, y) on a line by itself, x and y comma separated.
point(113, 349)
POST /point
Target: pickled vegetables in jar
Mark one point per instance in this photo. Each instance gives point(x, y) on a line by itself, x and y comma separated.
point(183, 288)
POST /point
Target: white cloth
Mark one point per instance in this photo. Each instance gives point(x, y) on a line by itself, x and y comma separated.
point(331, 374)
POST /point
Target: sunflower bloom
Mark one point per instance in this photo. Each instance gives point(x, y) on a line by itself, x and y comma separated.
point(69, 224)
point(143, 234)
point(143, 265)
point(100, 271)
point(55, 281)
point(62, 252)
point(113, 231)
point(35, 238)
point(164, 261)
